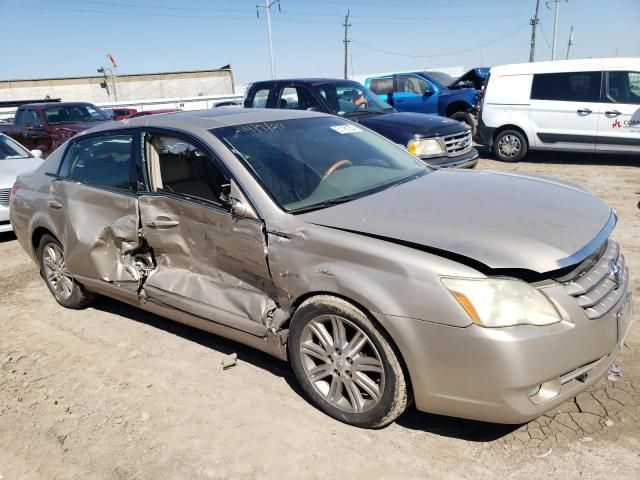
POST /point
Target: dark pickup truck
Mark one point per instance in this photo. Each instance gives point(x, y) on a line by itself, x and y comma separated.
point(439, 142)
point(44, 126)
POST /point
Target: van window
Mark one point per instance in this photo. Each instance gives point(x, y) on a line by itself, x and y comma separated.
point(624, 87)
point(567, 87)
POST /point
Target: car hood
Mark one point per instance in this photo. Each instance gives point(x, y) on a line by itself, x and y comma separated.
point(11, 168)
point(410, 124)
point(495, 219)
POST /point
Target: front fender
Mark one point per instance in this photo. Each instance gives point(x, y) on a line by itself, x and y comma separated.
point(382, 276)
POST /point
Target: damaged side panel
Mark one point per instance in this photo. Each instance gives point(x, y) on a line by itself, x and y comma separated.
point(315, 259)
point(99, 229)
point(207, 262)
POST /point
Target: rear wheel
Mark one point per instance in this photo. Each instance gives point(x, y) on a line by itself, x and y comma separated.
point(510, 146)
point(345, 364)
point(53, 268)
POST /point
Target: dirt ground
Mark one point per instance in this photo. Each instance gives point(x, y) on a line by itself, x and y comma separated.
point(112, 392)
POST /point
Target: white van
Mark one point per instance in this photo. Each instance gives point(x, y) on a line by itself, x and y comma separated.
point(573, 105)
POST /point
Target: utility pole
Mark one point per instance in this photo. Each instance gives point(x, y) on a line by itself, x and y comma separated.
point(534, 25)
point(267, 6)
point(346, 41)
point(570, 42)
point(555, 27)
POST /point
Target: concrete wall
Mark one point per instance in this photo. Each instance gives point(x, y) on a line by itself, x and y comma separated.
point(129, 87)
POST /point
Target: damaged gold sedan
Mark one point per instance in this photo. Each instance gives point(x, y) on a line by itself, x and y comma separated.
point(476, 294)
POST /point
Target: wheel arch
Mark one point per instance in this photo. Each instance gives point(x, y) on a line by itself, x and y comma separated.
point(511, 126)
point(384, 330)
point(458, 106)
point(36, 237)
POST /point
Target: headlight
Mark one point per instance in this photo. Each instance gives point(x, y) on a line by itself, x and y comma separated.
point(425, 147)
point(502, 302)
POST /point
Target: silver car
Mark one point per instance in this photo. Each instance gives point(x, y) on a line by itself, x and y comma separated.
point(476, 294)
point(14, 160)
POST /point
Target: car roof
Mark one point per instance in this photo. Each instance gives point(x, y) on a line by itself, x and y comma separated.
point(313, 81)
point(208, 119)
point(557, 66)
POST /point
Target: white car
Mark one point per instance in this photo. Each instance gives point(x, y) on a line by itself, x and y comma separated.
point(14, 160)
point(573, 105)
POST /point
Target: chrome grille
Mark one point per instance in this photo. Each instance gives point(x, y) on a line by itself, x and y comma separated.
point(4, 196)
point(599, 289)
point(458, 144)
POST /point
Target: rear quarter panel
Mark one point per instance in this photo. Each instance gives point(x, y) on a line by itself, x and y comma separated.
point(506, 102)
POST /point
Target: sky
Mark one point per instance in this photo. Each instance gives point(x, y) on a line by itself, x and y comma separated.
point(58, 38)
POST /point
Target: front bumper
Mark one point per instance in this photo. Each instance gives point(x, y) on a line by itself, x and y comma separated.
point(489, 374)
point(466, 160)
point(5, 225)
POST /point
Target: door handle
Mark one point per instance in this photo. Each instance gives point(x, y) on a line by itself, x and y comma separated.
point(399, 100)
point(163, 223)
point(584, 111)
point(55, 204)
point(612, 113)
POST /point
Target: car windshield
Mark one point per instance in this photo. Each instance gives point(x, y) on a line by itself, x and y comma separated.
point(9, 149)
point(350, 98)
point(440, 77)
point(312, 163)
point(73, 114)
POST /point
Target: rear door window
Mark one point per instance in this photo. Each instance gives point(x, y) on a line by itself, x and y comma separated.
point(623, 87)
point(381, 86)
point(567, 87)
point(259, 98)
point(103, 161)
point(297, 98)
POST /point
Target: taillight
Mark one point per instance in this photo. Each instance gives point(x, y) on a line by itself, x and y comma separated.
point(14, 189)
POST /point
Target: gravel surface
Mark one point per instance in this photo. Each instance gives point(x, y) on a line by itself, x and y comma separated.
point(113, 392)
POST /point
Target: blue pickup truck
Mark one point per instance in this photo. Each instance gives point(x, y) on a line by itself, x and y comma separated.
point(429, 92)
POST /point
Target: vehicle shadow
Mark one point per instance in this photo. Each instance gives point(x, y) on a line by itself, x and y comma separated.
point(452, 427)
point(7, 237)
point(413, 419)
point(571, 158)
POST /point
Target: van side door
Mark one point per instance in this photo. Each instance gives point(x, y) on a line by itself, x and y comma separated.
point(564, 110)
point(619, 122)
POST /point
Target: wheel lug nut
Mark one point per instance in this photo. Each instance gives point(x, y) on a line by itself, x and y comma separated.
point(349, 359)
point(338, 351)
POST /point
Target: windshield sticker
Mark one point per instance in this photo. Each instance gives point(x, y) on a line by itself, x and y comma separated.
point(259, 128)
point(342, 129)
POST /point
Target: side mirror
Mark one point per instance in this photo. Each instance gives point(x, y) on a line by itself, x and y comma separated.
point(240, 207)
point(36, 153)
point(428, 92)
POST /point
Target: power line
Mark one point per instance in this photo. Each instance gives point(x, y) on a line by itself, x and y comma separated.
point(544, 35)
point(441, 54)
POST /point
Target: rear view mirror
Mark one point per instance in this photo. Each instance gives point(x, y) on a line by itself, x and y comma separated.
point(36, 153)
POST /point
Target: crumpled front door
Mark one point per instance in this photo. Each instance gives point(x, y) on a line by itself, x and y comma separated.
point(208, 263)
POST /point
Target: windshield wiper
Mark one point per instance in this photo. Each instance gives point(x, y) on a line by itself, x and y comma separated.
point(363, 112)
point(330, 202)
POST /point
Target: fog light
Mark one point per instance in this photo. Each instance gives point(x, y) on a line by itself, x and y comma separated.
point(544, 392)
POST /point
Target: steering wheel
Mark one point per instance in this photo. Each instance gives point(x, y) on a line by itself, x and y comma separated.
point(339, 164)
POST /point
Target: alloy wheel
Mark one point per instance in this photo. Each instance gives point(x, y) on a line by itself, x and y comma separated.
point(55, 271)
point(342, 363)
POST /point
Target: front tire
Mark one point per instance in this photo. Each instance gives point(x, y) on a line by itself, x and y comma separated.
point(53, 268)
point(468, 118)
point(510, 146)
point(345, 364)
